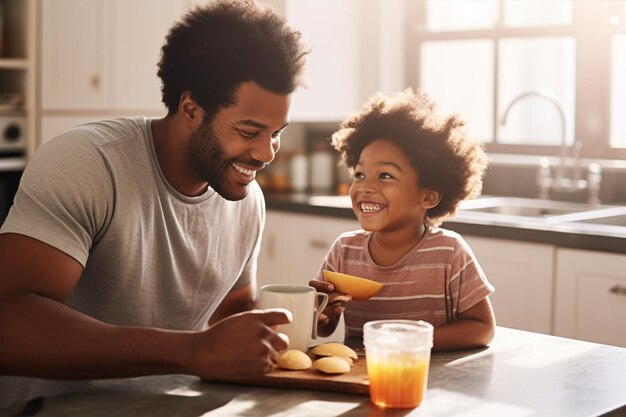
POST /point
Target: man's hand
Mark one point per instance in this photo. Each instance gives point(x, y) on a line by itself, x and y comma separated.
point(240, 346)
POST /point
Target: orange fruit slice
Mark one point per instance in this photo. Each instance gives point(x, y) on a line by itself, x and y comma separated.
point(358, 288)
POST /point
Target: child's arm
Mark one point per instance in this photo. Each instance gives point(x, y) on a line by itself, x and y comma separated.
point(474, 328)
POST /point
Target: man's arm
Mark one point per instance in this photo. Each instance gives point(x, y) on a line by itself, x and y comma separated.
point(474, 328)
point(43, 337)
point(236, 301)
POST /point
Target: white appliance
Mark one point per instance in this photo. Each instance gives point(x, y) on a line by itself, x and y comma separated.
point(12, 158)
point(12, 134)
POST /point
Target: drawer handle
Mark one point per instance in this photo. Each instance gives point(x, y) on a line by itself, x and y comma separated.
point(319, 244)
point(618, 289)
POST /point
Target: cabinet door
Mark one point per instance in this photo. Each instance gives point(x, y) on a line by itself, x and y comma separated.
point(294, 246)
point(311, 238)
point(270, 269)
point(51, 126)
point(522, 276)
point(73, 54)
point(138, 34)
point(591, 296)
point(333, 70)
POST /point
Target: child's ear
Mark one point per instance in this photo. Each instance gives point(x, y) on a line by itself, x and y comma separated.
point(430, 199)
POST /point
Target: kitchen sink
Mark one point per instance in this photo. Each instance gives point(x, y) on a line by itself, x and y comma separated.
point(537, 212)
point(525, 207)
point(618, 220)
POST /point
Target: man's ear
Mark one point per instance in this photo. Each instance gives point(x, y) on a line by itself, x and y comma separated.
point(189, 111)
point(430, 199)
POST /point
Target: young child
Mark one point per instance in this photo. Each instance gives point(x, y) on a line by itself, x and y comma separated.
point(411, 168)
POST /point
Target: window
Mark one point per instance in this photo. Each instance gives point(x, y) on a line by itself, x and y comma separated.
point(526, 75)
point(618, 92)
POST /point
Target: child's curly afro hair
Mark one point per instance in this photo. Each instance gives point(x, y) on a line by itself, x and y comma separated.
point(444, 157)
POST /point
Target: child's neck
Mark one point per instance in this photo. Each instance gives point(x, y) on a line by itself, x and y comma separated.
point(388, 248)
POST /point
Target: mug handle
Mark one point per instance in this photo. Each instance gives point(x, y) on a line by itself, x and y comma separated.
point(322, 300)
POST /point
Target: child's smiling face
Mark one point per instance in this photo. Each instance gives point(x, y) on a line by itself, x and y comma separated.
point(385, 193)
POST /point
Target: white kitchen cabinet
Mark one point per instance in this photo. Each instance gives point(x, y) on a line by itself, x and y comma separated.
point(591, 296)
point(137, 39)
point(74, 54)
point(522, 274)
point(269, 269)
point(294, 245)
point(102, 55)
point(51, 126)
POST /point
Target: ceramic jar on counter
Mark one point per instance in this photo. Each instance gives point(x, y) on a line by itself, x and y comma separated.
point(299, 172)
point(322, 171)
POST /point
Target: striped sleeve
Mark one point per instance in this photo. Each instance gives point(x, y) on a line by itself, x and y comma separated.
point(468, 284)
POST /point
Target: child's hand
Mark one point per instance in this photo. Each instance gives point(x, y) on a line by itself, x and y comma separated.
point(336, 302)
point(336, 306)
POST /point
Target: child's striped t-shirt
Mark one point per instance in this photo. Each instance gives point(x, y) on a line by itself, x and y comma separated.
point(439, 278)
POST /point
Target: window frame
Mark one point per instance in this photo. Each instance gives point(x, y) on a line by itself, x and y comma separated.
point(593, 62)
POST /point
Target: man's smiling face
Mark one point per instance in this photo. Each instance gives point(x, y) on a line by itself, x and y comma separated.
point(240, 140)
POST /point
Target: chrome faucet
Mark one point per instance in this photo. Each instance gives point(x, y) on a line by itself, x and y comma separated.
point(544, 175)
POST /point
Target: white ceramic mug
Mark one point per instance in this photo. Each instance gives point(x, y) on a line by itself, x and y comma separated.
point(305, 304)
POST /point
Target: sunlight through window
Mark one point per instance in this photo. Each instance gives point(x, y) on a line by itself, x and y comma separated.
point(542, 357)
point(618, 93)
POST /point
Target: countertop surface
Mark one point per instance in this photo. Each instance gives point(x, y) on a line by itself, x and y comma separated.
point(569, 235)
point(520, 374)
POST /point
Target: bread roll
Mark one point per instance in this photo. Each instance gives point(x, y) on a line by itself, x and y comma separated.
point(334, 349)
point(294, 360)
point(332, 365)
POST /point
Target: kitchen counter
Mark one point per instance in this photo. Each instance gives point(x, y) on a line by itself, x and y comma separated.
point(520, 374)
point(568, 235)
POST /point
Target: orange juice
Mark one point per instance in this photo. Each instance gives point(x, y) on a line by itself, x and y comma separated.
point(397, 383)
point(398, 357)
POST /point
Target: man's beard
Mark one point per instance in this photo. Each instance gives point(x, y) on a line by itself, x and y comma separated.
point(209, 159)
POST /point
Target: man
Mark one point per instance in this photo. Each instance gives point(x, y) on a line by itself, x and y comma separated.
point(131, 246)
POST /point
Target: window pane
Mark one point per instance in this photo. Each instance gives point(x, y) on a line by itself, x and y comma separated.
point(520, 13)
point(527, 65)
point(618, 93)
point(452, 15)
point(459, 76)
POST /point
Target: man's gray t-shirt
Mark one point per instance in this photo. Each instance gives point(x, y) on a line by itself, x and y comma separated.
point(151, 255)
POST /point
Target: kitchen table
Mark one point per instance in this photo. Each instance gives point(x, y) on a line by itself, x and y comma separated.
point(520, 374)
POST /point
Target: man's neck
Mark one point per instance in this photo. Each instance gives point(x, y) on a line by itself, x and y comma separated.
point(171, 140)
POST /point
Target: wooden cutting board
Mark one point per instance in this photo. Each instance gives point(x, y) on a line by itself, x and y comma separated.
point(353, 382)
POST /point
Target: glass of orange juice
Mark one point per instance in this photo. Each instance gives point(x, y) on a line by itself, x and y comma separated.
point(398, 356)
